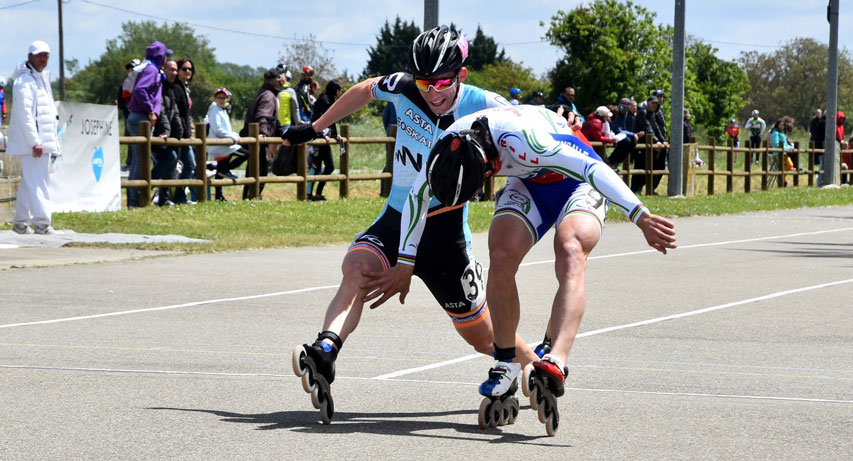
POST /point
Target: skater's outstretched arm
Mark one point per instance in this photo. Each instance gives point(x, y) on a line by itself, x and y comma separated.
point(387, 284)
point(658, 231)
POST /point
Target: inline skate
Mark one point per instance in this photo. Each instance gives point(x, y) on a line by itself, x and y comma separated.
point(543, 381)
point(315, 363)
point(500, 405)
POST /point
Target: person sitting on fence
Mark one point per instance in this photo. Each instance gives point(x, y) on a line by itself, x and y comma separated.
point(227, 157)
point(593, 129)
point(733, 133)
point(779, 140)
point(323, 154)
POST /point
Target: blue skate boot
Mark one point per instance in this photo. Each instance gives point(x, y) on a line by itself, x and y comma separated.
point(500, 405)
point(315, 363)
point(543, 348)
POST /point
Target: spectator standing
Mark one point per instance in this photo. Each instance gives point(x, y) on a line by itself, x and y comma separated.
point(567, 98)
point(184, 104)
point(263, 110)
point(123, 99)
point(227, 157)
point(646, 123)
point(593, 129)
point(755, 126)
point(145, 101)
point(168, 124)
point(2, 100)
point(515, 96)
point(660, 118)
point(733, 133)
point(33, 139)
point(816, 134)
point(303, 90)
point(288, 106)
point(323, 155)
point(389, 117)
point(538, 99)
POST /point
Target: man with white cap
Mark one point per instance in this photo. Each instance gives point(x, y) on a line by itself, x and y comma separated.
point(755, 127)
point(33, 138)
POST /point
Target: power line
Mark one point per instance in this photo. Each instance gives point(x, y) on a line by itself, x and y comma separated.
point(18, 4)
point(221, 29)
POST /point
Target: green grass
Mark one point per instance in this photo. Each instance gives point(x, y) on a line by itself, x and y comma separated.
point(274, 223)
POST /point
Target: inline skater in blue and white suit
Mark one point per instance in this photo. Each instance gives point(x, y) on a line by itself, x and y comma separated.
point(555, 179)
point(428, 99)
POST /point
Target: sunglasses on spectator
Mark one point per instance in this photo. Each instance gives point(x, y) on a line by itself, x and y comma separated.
point(439, 85)
point(189, 69)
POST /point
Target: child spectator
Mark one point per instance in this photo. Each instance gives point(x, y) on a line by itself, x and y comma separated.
point(732, 132)
point(227, 157)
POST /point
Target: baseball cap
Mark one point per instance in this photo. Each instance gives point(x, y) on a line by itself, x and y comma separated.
point(38, 47)
point(653, 99)
point(603, 111)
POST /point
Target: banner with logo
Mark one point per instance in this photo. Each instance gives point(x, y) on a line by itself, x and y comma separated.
point(87, 177)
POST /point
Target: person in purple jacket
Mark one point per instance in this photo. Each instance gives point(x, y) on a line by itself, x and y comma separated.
point(145, 100)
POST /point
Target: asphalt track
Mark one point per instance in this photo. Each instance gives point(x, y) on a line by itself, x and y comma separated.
point(738, 345)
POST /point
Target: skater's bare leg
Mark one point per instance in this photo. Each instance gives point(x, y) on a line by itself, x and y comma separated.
point(576, 236)
point(481, 337)
point(344, 311)
point(509, 241)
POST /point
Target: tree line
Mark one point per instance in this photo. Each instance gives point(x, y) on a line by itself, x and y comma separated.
point(610, 49)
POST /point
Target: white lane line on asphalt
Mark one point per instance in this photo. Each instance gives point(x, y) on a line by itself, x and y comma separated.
point(418, 381)
point(633, 324)
point(702, 245)
point(174, 306)
point(302, 290)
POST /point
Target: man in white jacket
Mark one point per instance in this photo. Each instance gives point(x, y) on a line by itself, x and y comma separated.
point(33, 138)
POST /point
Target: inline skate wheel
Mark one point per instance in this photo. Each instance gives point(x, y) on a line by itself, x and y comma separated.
point(298, 360)
point(551, 423)
point(484, 416)
point(497, 414)
point(327, 407)
point(308, 382)
point(315, 397)
point(526, 379)
point(511, 408)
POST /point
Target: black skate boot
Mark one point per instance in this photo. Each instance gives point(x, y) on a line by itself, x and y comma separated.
point(315, 363)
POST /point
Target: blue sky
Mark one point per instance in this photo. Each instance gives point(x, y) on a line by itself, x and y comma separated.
point(348, 27)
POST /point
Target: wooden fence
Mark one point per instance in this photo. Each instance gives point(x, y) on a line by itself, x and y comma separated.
point(255, 145)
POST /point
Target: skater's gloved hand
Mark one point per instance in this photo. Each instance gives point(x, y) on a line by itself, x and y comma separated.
point(299, 134)
point(658, 231)
point(387, 283)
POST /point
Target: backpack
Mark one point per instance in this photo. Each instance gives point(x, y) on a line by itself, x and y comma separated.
point(284, 162)
point(134, 73)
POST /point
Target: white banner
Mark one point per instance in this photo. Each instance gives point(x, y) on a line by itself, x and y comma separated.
point(88, 176)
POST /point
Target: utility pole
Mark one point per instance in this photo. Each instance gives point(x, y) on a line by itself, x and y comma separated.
point(430, 14)
point(831, 173)
point(61, 56)
point(676, 115)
